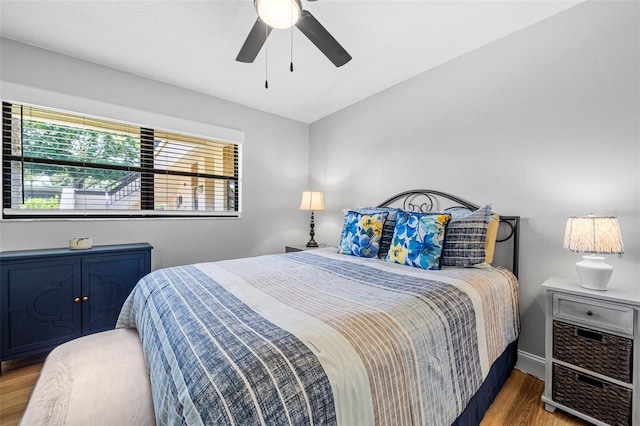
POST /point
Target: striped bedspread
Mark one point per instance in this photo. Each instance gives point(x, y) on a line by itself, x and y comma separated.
point(317, 337)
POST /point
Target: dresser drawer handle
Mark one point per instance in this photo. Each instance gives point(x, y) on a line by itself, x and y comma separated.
point(590, 381)
point(588, 334)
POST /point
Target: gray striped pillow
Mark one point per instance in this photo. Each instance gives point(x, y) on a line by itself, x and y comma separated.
point(464, 243)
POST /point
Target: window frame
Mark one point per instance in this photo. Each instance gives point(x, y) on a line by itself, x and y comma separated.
point(146, 170)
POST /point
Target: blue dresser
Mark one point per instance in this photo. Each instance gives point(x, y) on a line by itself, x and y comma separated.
point(48, 297)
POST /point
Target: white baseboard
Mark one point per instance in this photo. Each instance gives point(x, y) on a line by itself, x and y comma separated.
point(531, 364)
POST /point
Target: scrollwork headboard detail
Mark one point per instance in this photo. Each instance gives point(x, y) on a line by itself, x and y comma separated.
point(427, 200)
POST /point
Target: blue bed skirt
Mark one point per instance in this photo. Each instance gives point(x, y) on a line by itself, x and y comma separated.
point(498, 374)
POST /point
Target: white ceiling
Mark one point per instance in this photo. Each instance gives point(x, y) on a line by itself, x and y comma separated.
point(193, 43)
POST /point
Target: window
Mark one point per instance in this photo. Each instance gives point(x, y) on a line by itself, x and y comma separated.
point(59, 164)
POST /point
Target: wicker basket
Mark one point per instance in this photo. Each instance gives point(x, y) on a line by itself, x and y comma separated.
point(602, 353)
point(597, 398)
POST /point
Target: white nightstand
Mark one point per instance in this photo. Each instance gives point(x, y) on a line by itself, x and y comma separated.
point(593, 352)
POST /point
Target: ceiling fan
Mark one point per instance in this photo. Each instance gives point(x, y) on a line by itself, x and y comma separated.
point(281, 14)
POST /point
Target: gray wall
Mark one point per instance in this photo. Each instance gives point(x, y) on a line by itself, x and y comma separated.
point(274, 160)
point(543, 123)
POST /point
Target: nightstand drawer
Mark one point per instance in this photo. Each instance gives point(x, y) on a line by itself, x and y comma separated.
point(607, 316)
point(602, 353)
point(599, 399)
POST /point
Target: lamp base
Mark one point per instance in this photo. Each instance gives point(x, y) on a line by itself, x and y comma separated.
point(594, 273)
point(312, 242)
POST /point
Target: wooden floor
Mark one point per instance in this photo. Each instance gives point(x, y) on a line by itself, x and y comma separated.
point(17, 381)
point(518, 403)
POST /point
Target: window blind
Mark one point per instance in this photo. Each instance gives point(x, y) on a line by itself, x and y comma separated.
point(62, 164)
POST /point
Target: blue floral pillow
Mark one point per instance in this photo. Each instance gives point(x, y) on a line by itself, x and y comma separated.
point(418, 239)
point(387, 229)
point(361, 234)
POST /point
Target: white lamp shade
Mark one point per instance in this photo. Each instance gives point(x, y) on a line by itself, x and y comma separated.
point(278, 14)
point(593, 235)
point(312, 200)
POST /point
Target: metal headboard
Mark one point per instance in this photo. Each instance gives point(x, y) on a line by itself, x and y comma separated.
point(427, 200)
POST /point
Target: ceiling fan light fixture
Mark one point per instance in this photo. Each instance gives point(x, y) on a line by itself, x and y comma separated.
point(279, 14)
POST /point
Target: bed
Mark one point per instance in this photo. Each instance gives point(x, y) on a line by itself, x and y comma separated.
point(324, 337)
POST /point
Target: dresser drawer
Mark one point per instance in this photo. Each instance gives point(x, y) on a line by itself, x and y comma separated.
point(599, 399)
point(607, 316)
point(602, 353)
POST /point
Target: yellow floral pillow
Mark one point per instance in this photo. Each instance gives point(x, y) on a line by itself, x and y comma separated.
point(418, 239)
point(361, 234)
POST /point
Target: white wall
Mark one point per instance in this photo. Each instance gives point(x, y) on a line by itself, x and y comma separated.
point(274, 159)
point(543, 124)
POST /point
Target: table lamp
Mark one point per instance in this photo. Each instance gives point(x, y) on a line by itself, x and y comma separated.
point(312, 200)
point(593, 235)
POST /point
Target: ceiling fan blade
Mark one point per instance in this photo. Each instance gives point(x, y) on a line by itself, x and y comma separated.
point(252, 45)
point(324, 41)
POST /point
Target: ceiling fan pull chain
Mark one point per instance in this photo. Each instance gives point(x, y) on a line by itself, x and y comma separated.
point(291, 64)
point(266, 58)
point(291, 33)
